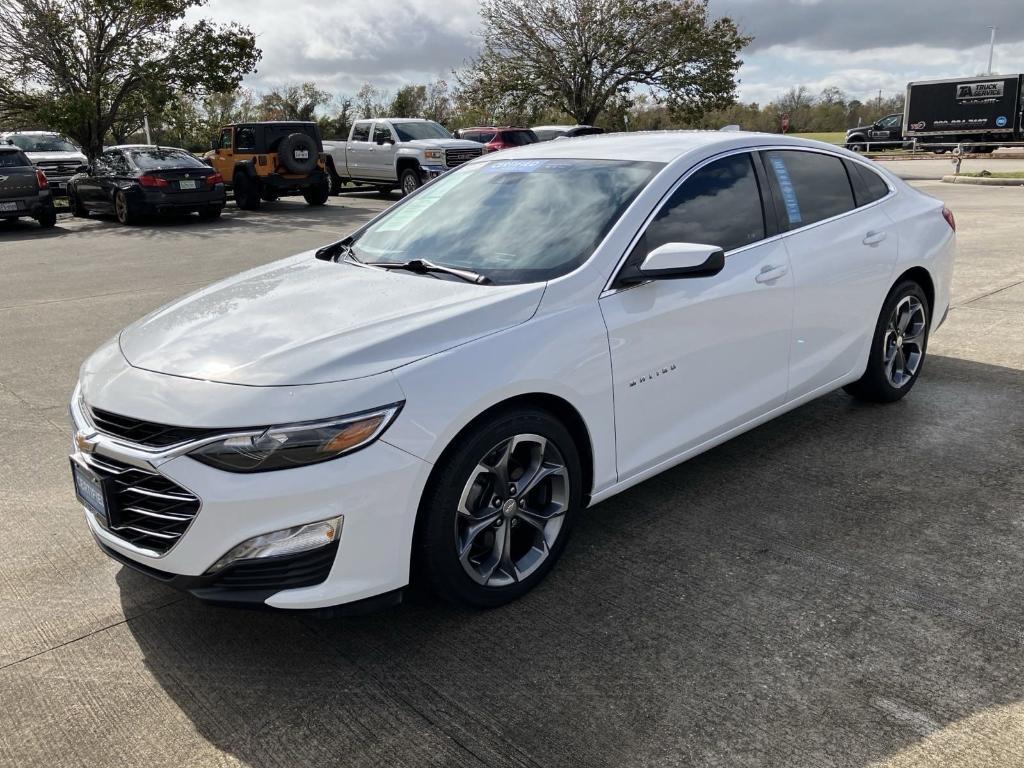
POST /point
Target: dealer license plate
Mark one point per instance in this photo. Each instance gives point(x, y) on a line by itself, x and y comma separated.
point(8, 207)
point(89, 489)
point(187, 184)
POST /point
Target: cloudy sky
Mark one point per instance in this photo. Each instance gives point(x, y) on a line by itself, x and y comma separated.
point(860, 46)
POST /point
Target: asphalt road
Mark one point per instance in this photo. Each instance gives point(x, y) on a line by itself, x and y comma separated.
point(841, 587)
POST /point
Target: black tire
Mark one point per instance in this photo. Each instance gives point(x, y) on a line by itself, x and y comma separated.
point(247, 192)
point(78, 210)
point(210, 213)
point(48, 217)
point(298, 153)
point(334, 182)
point(126, 215)
point(409, 181)
point(890, 342)
point(857, 146)
point(318, 194)
point(440, 532)
point(269, 195)
point(384, 191)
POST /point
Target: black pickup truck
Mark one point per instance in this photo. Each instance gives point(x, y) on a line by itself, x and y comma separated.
point(879, 134)
point(964, 110)
point(24, 190)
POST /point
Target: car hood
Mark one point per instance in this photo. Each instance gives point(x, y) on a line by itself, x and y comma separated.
point(63, 157)
point(442, 144)
point(306, 321)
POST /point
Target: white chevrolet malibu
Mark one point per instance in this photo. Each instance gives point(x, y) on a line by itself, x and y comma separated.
point(444, 391)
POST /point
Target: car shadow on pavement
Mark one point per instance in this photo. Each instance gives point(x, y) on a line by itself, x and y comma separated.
point(840, 586)
point(15, 230)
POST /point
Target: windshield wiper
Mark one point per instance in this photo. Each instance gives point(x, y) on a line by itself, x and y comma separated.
point(423, 267)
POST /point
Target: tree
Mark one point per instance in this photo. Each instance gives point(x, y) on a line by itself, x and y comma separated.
point(409, 101)
point(293, 102)
point(578, 56)
point(371, 102)
point(86, 66)
point(337, 127)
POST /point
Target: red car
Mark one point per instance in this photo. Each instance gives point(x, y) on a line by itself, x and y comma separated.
point(494, 139)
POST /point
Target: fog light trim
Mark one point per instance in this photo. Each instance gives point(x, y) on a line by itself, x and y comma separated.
point(287, 541)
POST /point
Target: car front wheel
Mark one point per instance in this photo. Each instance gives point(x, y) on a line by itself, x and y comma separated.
point(898, 346)
point(410, 181)
point(498, 515)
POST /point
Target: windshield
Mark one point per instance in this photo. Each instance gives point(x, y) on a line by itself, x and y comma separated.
point(514, 221)
point(157, 159)
point(426, 130)
point(45, 143)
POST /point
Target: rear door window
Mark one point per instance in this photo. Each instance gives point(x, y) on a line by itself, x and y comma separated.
point(809, 186)
point(720, 204)
point(382, 133)
point(361, 131)
point(245, 139)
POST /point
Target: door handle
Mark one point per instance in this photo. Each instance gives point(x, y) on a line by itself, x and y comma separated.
point(769, 274)
point(873, 238)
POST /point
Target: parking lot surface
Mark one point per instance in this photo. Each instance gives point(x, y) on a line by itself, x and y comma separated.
point(840, 587)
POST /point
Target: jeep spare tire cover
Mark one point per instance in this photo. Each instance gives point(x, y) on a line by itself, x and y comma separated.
point(297, 153)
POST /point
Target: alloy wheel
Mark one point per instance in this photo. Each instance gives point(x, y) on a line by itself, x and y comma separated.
point(121, 208)
point(903, 342)
point(511, 510)
point(409, 184)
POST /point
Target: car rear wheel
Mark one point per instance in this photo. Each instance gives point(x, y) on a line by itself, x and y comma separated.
point(410, 181)
point(499, 513)
point(318, 194)
point(334, 182)
point(898, 346)
point(123, 209)
point(47, 218)
point(247, 192)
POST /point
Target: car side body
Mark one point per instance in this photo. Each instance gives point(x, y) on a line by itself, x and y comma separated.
point(495, 139)
point(135, 180)
point(641, 373)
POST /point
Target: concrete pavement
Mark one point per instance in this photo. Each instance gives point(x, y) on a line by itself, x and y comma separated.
point(841, 587)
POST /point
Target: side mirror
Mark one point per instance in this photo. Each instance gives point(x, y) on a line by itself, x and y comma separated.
point(673, 261)
point(381, 141)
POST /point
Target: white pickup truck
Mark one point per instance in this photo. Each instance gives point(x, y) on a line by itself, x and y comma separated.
point(391, 152)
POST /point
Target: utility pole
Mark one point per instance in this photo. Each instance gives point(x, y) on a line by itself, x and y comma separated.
point(991, 48)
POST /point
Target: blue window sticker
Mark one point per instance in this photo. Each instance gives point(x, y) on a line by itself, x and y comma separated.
point(1001, 121)
point(514, 166)
point(788, 193)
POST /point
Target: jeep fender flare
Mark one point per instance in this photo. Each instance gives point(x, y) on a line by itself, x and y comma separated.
point(248, 167)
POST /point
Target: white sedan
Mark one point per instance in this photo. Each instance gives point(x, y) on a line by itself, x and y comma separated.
point(444, 391)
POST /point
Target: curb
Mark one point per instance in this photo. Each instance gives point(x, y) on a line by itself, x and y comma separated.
point(984, 181)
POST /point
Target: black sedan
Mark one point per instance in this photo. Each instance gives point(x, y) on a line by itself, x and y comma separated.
point(136, 180)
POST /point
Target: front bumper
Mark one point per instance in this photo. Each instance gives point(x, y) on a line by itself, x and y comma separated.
point(376, 490)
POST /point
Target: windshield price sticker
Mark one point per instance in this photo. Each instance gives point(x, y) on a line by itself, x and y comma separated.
point(514, 166)
point(788, 193)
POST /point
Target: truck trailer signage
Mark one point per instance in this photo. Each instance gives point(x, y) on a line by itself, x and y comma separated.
point(991, 91)
point(961, 108)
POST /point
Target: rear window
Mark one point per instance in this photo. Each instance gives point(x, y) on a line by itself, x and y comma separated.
point(13, 159)
point(157, 159)
point(811, 186)
point(273, 134)
point(518, 138)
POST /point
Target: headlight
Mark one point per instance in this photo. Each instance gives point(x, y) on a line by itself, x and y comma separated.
point(295, 445)
point(434, 154)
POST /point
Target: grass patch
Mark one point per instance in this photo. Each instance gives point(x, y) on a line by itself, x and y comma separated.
point(834, 137)
point(995, 174)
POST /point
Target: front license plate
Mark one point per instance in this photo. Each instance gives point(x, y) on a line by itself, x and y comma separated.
point(8, 207)
point(60, 202)
point(185, 184)
point(89, 489)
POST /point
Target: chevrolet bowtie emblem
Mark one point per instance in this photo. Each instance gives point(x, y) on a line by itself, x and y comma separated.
point(85, 443)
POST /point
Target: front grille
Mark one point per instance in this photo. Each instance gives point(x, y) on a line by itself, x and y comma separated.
point(58, 169)
point(147, 433)
point(287, 572)
point(454, 157)
point(147, 509)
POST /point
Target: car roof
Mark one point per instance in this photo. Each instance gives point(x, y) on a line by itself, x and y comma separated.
point(32, 133)
point(558, 127)
point(654, 146)
point(144, 146)
point(495, 128)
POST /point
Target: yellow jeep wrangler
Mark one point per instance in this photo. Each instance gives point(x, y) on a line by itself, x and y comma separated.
point(268, 160)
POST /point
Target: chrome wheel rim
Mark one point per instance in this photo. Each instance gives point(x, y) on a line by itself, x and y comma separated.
point(511, 510)
point(903, 342)
point(409, 184)
point(121, 208)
